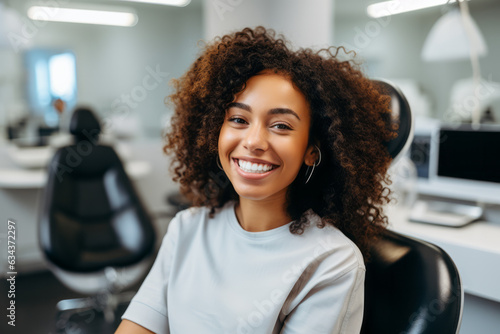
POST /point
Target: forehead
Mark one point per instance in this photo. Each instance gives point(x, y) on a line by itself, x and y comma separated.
point(271, 90)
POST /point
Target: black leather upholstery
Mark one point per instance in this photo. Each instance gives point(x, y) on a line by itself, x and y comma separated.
point(411, 286)
point(84, 123)
point(91, 216)
point(399, 120)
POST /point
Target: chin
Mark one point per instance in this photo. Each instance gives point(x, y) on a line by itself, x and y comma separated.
point(258, 194)
point(251, 196)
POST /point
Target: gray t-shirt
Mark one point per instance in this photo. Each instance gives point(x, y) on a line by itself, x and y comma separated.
point(212, 276)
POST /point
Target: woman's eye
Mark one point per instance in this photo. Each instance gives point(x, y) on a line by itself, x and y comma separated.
point(238, 120)
point(282, 126)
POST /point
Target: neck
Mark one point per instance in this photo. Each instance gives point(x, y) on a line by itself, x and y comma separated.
point(258, 216)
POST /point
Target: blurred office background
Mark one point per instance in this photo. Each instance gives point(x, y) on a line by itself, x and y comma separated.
point(123, 73)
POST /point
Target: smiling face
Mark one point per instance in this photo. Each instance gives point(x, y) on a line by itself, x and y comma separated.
point(264, 139)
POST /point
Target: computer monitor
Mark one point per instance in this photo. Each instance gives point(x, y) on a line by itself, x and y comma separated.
point(459, 168)
point(466, 161)
point(469, 155)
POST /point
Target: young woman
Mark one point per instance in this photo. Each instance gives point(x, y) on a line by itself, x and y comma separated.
point(281, 153)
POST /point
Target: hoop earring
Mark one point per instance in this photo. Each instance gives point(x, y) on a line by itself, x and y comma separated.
point(217, 161)
point(315, 164)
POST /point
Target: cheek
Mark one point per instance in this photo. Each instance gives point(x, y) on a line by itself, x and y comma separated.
point(226, 140)
point(296, 150)
point(297, 159)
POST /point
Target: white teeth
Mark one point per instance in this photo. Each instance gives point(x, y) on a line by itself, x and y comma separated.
point(249, 167)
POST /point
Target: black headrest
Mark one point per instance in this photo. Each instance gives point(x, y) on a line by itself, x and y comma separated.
point(400, 119)
point(84, 123)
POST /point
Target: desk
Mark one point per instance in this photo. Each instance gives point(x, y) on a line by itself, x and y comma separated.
point(17, 178)
point(474, 248)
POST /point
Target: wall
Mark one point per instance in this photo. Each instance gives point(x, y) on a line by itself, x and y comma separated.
point(391, 48)
point(112, 62)
point(313, 29)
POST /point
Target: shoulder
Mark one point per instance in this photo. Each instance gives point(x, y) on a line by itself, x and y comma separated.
point(333, 246)
point(331, 266)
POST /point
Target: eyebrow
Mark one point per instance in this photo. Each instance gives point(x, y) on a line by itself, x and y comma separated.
point(273, 111)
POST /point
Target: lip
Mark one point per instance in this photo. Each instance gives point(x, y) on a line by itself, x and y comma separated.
point(253, 176)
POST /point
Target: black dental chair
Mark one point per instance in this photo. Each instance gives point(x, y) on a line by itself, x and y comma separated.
point(411, 286)
point(94, 231)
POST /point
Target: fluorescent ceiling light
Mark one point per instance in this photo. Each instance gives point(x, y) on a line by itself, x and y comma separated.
point(88, 16)
point(177, 3)
point(387, 8)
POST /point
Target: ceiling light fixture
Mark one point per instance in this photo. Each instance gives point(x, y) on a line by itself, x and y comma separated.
point(387, 8)
point(177, 3)
point(86, 16)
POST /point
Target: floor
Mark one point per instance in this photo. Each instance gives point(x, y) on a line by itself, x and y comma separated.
point(35, 301)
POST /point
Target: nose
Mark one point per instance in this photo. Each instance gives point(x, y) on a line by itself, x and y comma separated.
point(256, 138)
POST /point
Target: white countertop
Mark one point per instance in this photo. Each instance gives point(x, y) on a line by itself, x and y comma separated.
point(19, 178)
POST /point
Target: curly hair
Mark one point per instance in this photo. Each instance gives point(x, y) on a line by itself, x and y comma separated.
point(347, 122)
